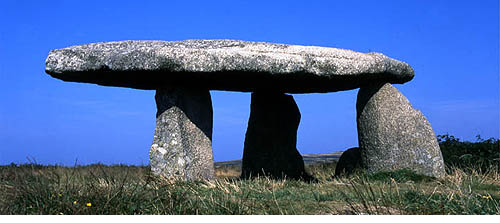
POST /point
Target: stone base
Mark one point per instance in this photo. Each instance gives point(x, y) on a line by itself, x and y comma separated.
point(349, 161)
point(394, 136)
point(182, 144)
point(271, 138)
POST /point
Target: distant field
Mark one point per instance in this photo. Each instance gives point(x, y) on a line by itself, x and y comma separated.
point(309, 159)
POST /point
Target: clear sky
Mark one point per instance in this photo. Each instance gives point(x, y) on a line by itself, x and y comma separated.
point(453, 47)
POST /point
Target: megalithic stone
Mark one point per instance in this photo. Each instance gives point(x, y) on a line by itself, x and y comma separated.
point(229, 65)
point(182, 144)
point(394, 136)
point(349, 161)
point(271, 138)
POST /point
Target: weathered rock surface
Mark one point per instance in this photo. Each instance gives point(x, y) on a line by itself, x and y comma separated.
point(392, 135)
point(223, 65)
point(271, 138)
point(349, 161)
point(182, 144)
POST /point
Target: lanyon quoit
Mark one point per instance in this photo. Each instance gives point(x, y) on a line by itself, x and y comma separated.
point(392, 134)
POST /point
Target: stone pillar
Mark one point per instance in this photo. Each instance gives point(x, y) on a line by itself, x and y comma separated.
point(182, 144)
point(393, 136)
point(271, 138)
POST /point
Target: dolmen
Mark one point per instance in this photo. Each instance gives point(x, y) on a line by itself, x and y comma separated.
point(392, 134)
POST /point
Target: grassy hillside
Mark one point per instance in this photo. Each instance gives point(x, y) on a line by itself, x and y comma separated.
point(100, 189)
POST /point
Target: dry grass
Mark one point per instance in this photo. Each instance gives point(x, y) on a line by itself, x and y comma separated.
point(230, 171)
point(132, 190)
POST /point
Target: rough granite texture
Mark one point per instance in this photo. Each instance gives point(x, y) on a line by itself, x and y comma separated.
point(223, 65)
point(392, 135)
point(271, 138)
point(182, 144)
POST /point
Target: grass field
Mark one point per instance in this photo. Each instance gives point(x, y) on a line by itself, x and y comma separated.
point(100, 189)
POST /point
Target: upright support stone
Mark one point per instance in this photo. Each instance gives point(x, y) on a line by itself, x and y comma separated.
point(271, 138)
point(393, 136)
point(349, 161)
point(182, 144)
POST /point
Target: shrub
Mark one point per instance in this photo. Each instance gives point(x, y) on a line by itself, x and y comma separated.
point(482, 155)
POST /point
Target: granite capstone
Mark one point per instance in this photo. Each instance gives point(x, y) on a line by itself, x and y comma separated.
point(223, 65)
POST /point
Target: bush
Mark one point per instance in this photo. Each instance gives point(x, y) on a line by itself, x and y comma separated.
point(482, 155)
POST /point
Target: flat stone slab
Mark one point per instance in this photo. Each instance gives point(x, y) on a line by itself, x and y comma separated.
point(224, 65)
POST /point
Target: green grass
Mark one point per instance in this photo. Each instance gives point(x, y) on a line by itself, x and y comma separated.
point(471, 186)
point(34, 189)
point(400, 176)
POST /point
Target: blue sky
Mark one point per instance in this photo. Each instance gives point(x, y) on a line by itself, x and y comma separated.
point(453, 47)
